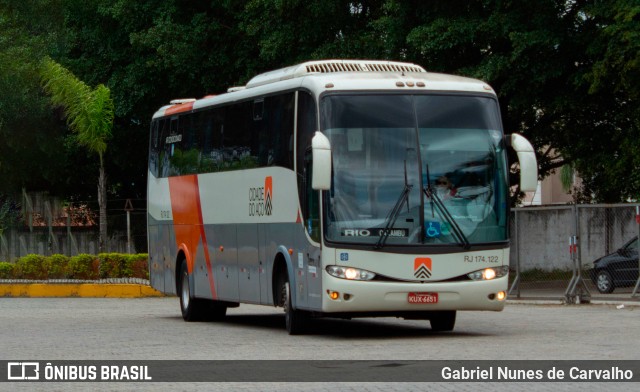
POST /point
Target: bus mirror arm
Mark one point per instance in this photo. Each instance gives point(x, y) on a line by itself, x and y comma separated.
point(527, 159)
point(321, 169)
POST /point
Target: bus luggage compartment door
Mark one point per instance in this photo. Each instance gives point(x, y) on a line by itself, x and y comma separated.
point(226, 262)
point(248, 263)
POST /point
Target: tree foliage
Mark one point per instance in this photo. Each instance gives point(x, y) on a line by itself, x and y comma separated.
point(89, 114)
point(30, 153)
point(566, 72)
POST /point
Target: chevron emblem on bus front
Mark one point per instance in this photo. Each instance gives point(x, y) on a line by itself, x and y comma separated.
point(422, 273)
point(422, 268)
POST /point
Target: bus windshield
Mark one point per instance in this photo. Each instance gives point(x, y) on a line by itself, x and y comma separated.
point(415, 170)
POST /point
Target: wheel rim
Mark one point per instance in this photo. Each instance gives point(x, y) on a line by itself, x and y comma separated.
point(603, 282)
point(185, 291)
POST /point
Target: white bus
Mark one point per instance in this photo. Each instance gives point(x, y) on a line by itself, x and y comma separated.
point(337, 188)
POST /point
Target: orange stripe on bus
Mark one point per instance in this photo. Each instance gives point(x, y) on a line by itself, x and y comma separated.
point(187, 221)
point(179, 108)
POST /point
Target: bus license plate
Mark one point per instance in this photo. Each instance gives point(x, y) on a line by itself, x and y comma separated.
point(423, 298)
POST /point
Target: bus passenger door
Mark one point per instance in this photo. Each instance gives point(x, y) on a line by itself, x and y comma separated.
point(248, 263)
point(226, 266)
point(308, 270)
point(311, 241)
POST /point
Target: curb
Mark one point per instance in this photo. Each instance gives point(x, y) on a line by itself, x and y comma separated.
point(139, 290)
point(83, 290)
point(621, 304)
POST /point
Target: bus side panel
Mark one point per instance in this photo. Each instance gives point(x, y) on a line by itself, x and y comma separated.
point(250, 216)
point(169, 251)
point(248, 263)
point(156, 265)
point(223, 240)
point(202, 286)
point(265, 279)
point(278, 238)
point(162, 240)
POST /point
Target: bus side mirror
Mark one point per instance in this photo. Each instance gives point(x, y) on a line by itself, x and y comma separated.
point(528, 162)
point(321, 155)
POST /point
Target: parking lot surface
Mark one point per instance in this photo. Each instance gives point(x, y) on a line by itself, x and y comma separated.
point(152, 328)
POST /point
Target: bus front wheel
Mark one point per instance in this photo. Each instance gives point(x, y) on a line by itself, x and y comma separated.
point(443, 321)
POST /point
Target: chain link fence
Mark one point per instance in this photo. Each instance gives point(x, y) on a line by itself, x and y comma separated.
point(575, 252)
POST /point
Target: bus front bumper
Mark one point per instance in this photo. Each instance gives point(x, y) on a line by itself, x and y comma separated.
point(371, 296)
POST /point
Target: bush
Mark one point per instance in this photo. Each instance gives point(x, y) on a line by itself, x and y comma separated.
point(6, 270)
point(112, 265)
point(31, 267)
point(84, 266)
point(58, 266)
point(137, 266)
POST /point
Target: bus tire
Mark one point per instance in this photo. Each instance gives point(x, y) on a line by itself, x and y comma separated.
point(443, 321)
point(197, 309)
point(295, 320)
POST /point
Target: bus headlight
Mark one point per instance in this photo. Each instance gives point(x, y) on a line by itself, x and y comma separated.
point(489, 273)
point(349, 273)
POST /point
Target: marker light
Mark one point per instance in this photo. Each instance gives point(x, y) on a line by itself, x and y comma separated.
point(349, 273)
point(501, 295)
point(333, 294)
point(489, 273)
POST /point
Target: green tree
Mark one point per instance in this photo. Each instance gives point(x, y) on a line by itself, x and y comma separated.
point(33, 153)
point(543, 59)
point(611, 167)
point(89, 114)
point(149, 52)
point(565, 71)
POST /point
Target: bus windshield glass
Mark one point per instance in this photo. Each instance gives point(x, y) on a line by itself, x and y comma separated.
point(415, 170)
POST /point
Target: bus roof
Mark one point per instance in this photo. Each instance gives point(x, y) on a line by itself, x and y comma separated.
point(335, 75)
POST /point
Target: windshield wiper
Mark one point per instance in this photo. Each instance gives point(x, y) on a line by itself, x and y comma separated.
point(393, 214)
point(435, 200)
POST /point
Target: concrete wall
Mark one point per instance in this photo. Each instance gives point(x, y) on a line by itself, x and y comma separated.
point(540, 236)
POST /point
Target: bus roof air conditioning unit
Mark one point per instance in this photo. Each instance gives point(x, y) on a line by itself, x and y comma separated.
point(333, 66)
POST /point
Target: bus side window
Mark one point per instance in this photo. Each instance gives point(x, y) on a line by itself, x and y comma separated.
point(153, 148)
point(281, 122)
point(236, 137)
point(273, 130)
point(163, 149)
point(211, 128)
point(185, 154)
point(261, 132)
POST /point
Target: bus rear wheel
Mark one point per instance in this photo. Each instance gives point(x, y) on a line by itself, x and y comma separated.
point(295, 320)
point(197, 309)
point(443, 321)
